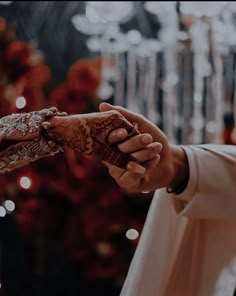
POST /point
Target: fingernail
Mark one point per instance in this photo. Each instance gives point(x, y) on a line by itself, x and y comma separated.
point(121, 133)
point(46, 124)
point(146, 139)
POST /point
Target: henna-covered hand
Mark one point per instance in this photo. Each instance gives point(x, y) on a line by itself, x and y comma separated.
point(27, 137)
point(21, 141)
point(88, 134)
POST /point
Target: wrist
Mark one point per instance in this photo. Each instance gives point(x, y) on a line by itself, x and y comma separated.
point(180, 177)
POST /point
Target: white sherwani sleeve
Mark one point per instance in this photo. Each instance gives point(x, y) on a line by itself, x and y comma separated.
point(170, 247)
point(211, 192)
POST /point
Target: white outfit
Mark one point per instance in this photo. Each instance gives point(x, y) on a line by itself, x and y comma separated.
point(188, 243)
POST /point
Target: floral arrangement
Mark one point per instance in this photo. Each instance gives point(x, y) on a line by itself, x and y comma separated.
point(68, 198)
point(22, 72)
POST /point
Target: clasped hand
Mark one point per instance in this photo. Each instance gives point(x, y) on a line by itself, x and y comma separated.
point(154, 165)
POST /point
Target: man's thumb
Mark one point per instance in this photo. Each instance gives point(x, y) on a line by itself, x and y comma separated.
point(132, 117)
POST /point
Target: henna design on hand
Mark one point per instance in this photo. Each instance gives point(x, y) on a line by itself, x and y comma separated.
point(26, 137)
point(25, 126)
point(88, 134)
point(24, 152)
point(21, 141)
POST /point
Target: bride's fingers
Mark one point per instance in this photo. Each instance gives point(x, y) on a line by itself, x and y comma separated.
point(62, 113)
point(117, 136)
point(46, 124)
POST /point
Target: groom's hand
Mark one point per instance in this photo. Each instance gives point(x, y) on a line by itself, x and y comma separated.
point(154, 167)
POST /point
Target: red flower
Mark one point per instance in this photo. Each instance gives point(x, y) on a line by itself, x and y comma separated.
point(4, 104)
point(2, 24)
point(36, 76)
point(85, 76)
point(7, 33)
point(78, 93)
point(68, 100)
point(16, 59)
point(18, 52)
point(34, 99)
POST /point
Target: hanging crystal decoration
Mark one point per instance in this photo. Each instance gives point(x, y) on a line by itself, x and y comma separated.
point(101, 21)
point(167, 15)
point(134, 38)
point(201, 67)
point(214, 125)
point(229, 17)
point(207, 99)
point(154, 47)
point(142, 81)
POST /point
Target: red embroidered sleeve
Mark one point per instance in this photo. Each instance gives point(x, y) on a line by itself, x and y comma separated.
point(21, 141)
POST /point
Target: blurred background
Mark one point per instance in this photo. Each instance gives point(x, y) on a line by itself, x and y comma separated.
point(65, 226)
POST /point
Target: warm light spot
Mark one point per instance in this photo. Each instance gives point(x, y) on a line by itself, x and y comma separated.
point(2, 212)
point(20, 102)
point(132, 234)
point(104, 249)
point(25, 182)
point(9, 205)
